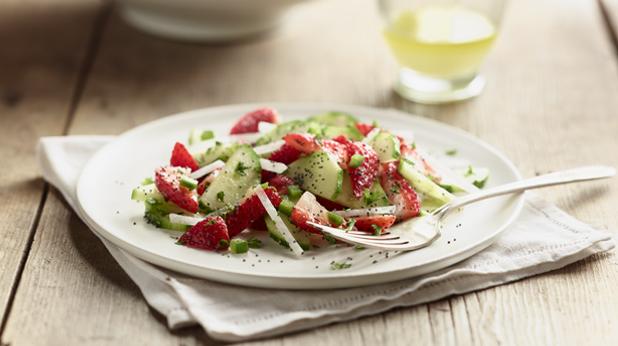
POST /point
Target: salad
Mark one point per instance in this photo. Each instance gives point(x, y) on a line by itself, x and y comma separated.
point(277, 176)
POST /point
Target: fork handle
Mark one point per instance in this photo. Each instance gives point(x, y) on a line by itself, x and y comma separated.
point(556, 178)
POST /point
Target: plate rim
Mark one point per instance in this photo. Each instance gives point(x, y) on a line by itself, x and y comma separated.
point(259, 278)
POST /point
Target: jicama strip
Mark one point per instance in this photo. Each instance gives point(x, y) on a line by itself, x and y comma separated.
point(207, 169)
point(281, 227)
point(269, 148)
point(273, 166)
point(184, 219)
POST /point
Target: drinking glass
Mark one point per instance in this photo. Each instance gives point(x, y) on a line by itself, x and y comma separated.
point(440, 45)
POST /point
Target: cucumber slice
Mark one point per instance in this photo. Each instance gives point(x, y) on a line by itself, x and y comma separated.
point(349, 131)
point(387, 147)
point(218, 152)
point(143, 192)
point(373, 197)
point(335, 119)
point(318, 173)
point(303, 240)
point(423, 184)
point(241, 172)
point(158, 216)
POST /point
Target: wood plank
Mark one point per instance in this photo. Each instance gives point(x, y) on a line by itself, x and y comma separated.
point(41, 56)
point(550, 83)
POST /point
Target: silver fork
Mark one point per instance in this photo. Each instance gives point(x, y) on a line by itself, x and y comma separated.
point(422, 231)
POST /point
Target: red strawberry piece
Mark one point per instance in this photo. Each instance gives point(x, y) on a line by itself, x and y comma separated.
point(286, 154)
point(280, 183)
point(248, 123)
point(250, 210)
point(399, 192)
point(307, 209)
point(338, 149)
point(259, 225)
point(201, 187)
point(302, 142)
point(363, 176)
point(374, 223)
point(167, 180)
point(181, 157)
point(209, 234)
point(364, 128)
point(328, 204)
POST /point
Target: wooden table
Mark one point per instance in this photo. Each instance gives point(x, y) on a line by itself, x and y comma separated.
point(73, 67)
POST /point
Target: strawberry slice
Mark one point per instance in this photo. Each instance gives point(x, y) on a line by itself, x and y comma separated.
point(374, 223)
point(248, 123)
point(209, 234)
point(286, 154)
point(250, 210)
point(281, 182)
point(167, 181)
point(399, 192)
point(181, 157)
point(207, 181)
point(363, 176)
point(302, 142)
point(328, 204)
point(364, 128)
point(339, 148)
point(307, 209)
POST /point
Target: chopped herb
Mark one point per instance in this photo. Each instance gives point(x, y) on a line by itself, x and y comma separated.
point(329, 238)
point(350, 226)
point(377, 230)
point(339, 265)
point(206, 135)
point(480, 183)
point(356, 160)
point(254, 243)
point(375, 124)
point(335, 219)
point(188, 182)
point(359, 248)
point(370, 196)
point(147, 181)
point(451, 152)
point(413, 145)
point(239, 246)
point(241, 168)
point(469, 172)
point(220, 196)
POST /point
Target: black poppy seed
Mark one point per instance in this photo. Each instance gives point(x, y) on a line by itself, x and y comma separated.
point(281, 261)
point(244, 260)
point(134, 223)
point(253, 265)
point(448, 242)
point(316, 267)
point(374, 262)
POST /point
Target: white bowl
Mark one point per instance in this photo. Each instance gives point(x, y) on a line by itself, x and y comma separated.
point(205, 20)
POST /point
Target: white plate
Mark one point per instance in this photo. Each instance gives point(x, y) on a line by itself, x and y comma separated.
point(105, 186)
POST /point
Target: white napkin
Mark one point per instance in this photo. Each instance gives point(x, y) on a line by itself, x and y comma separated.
point(544, 238)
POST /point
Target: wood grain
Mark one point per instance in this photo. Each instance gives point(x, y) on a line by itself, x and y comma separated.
point(550, 104)
point(39, 65)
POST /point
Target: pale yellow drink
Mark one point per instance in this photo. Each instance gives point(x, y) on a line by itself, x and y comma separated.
point(441, 41)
